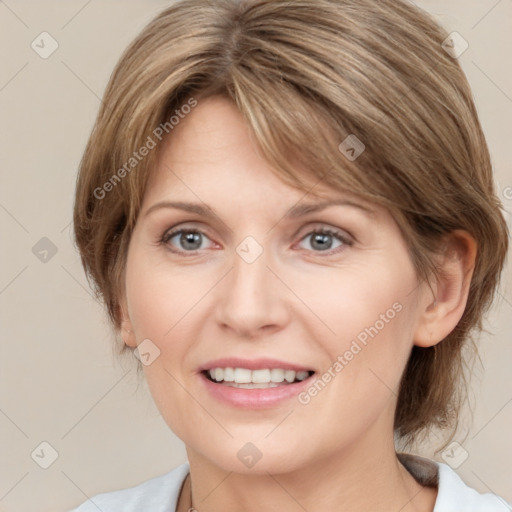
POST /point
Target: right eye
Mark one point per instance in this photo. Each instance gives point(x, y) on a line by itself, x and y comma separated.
point(184, 240)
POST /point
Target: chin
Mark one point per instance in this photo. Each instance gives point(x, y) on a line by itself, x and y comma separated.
point(256, 458)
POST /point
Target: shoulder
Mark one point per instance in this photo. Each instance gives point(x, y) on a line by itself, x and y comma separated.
point(160, 494)
point(453, 495)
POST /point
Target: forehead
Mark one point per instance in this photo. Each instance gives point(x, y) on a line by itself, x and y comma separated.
point(213, 150)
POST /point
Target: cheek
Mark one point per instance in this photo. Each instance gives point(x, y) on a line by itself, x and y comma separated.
point(366, 355)
point(360, 301)
point(159, 294)
point(163, 304)
point(369, 313)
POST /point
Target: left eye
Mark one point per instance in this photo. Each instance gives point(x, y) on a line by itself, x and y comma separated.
point(322, 240)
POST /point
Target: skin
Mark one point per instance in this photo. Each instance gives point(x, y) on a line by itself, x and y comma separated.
point(295, 302)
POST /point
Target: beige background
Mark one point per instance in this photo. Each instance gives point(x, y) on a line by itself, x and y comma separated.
point(59, 382)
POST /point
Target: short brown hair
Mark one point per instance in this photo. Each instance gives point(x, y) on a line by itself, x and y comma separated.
point(306, 75)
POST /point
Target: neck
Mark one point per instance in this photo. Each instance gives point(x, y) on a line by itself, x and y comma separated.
point(352, 480)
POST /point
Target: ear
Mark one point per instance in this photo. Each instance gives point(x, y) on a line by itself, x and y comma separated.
point(126, 326)
point(443, 310)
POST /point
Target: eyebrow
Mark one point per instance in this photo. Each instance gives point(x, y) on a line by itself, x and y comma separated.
point(299, 210)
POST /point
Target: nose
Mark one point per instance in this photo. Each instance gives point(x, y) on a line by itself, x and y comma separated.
point(252, 301)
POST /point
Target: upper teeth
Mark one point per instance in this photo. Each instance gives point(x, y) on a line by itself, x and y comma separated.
point(245, 376)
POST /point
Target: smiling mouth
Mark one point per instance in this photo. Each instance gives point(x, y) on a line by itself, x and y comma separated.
point(255, 379)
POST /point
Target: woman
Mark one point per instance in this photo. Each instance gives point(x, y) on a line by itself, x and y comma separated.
point(288, 210)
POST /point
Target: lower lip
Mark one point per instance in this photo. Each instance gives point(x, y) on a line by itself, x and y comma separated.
point(254, 398)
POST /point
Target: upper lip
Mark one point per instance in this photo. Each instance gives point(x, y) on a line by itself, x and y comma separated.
point(252, 364)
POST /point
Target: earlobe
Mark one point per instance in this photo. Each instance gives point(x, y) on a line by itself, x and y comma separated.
point(450, 288)
point(126, 327)
point(128, 335)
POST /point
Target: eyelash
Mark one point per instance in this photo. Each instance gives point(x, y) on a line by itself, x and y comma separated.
point(346, 241)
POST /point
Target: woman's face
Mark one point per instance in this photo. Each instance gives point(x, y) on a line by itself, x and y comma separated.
point(252, 282)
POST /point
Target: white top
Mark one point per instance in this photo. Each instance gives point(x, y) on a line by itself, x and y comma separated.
point(161, 494)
